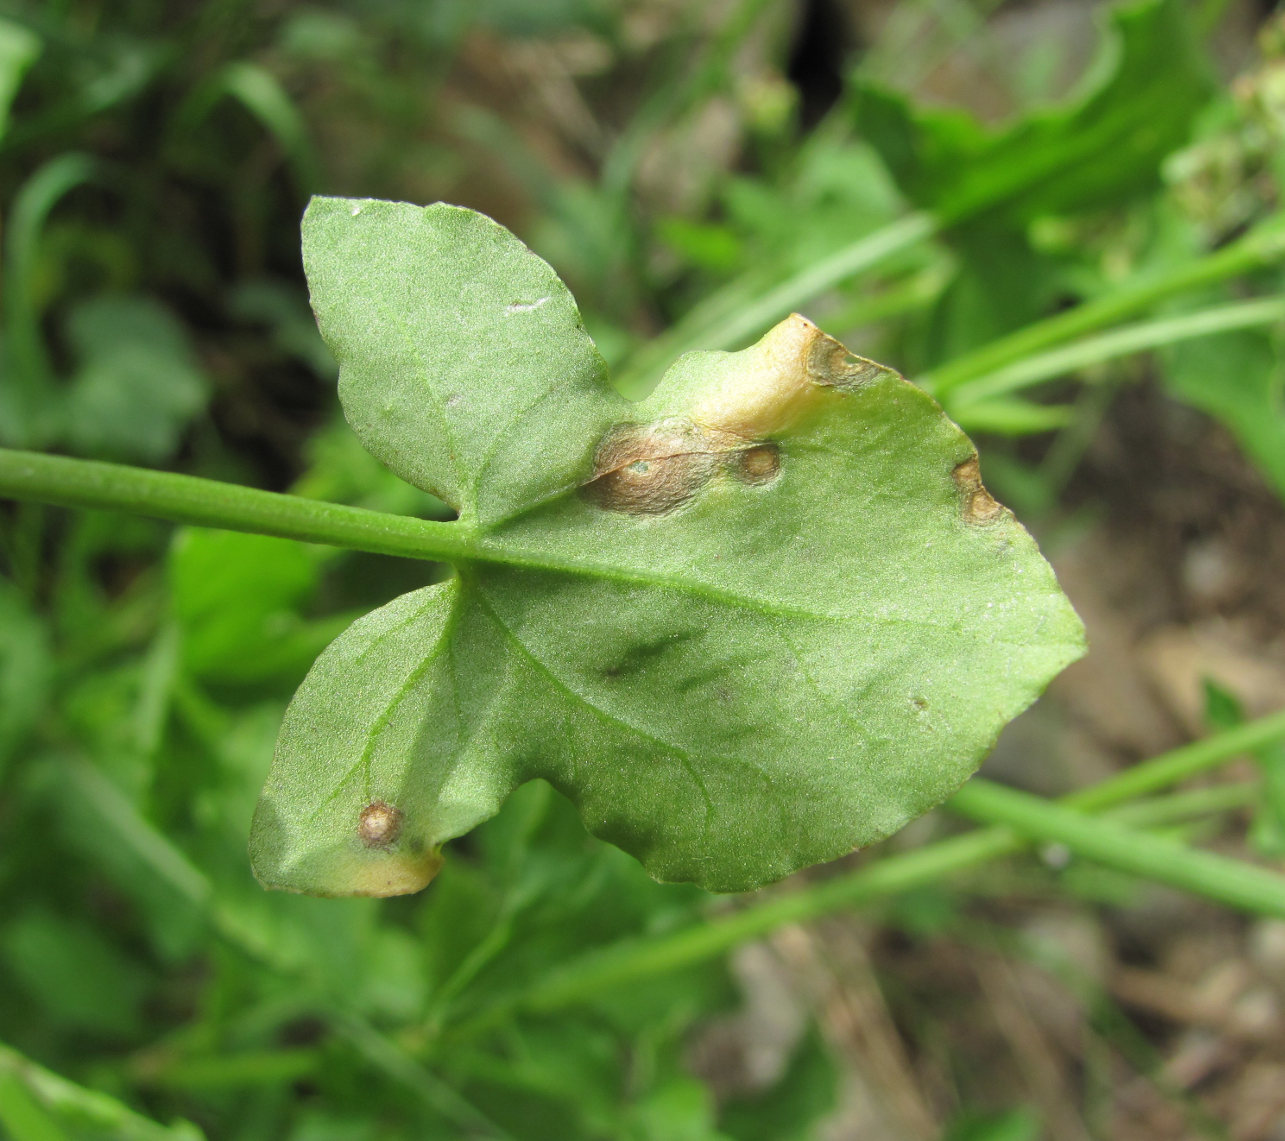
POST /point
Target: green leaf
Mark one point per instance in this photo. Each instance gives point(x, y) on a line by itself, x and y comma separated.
point(759, 619)
point(1238, 379)
point(26, 671)
point(464, 365)
point(1137, 104)
point(19, 49)
point(139, 383)
point(237, 599)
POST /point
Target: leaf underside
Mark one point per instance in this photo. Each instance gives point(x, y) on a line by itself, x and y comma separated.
point(757, 620)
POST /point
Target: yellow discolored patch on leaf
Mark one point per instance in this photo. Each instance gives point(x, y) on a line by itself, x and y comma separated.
point(784, 376)
point(653, 469)
point(393, 872)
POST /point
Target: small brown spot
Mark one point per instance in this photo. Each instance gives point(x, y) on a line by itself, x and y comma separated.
point(759, 464)
point(651, 469)
point(920, 703)
point(830, 363)
point(979, 505)
point(379, 824)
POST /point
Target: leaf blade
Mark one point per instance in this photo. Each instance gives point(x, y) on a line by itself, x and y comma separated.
point(453, 338)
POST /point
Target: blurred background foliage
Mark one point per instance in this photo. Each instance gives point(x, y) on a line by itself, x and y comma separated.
point(980, 193)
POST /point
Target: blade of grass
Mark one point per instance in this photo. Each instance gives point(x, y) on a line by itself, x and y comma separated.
point(1181, 806)
point(31, 373)
point(1262, 246)
point(24, 1118)
point(1118, 343)
point(48, 1091)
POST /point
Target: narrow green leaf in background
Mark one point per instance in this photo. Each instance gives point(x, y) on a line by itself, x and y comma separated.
point(764, 616)
point(1237, 378)
point(19, 49)
point(1137, 104)
point(139, 383)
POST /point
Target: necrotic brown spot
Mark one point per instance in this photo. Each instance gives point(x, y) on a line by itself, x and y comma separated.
point(759, 464)
point(651, 469)
point(979, 505)
point(379, 824)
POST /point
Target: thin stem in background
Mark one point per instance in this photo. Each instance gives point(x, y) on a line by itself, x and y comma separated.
point(1264, 245)
point(622, 964)
point(30, 372)
point(1118, 343)
point(1228, 881)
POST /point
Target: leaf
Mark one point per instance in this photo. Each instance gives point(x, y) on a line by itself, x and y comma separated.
point(26, 671)
point(1238, 379)
point(462, 355)
point(19, 49)
point(139, 384)
point(761, 618)
point(1137, 104)
point(237, 599)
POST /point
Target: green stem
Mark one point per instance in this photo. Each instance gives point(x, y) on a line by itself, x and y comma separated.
point(623, 964)
point(1262, 246)
point(1118, 343)
point(1179, 764)
point(1183, 806)
point(211, 503)
point(1220, 878)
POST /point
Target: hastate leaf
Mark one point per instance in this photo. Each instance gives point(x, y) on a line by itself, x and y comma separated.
point(761, 618)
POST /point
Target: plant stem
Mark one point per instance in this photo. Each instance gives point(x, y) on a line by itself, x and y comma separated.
point(1179, 764)
point(212, 503)
point(1262, 246)
point(1228, 881)
point(624, 963)
point(1118, 343)
point(1182, 806)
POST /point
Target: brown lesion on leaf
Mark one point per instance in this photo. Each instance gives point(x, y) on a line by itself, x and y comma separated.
point(651, 469)
point(758, 464)
point(379, 824)
point(979, 506)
